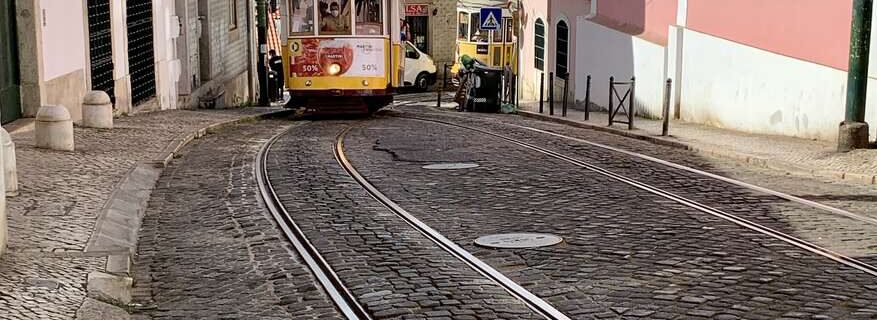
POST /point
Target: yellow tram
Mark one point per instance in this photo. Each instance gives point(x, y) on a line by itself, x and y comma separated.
point(493, 48)
point(342, 56)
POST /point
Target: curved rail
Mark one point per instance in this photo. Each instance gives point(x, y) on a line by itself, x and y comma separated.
point(531, 300)
point(800, 243)
point(338, 293)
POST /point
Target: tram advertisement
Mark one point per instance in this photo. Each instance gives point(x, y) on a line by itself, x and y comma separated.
point(337, 57)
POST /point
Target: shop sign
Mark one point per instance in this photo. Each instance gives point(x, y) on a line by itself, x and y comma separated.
point(416, 10)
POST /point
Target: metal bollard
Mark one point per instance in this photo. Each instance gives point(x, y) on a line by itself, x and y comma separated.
point(611, 98)
point(541, 92)
point(551, 93)
point(515, 91)
point(588, 99)
point(442, 87)
point(665, 129)
point(565, 93)
point(632, 104)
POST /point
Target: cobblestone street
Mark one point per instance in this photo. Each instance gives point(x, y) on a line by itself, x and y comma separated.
point(210, 248)
point(43, 276)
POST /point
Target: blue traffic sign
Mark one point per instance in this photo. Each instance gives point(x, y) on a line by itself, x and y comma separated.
point(491, 18)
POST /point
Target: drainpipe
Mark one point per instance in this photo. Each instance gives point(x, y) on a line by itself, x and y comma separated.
point(251, 81)
point(853, 133)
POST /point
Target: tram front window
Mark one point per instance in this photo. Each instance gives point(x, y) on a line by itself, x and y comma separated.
point(463, 26)
point(368, 17)
point(476, 35)
point(301, 13)
point(335, 17)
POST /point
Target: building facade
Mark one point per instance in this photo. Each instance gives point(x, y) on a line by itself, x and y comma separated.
point(432, 24)
point(55, 51)
point(216, 47)
point(120, 47)
point(769, 67)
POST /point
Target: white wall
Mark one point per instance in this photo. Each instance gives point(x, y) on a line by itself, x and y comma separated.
point(63, 37)
point(603, 52)
point(167, 67)
point(729, 85)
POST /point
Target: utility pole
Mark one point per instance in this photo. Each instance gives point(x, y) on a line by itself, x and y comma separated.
point(853, 133)
point(262, 16)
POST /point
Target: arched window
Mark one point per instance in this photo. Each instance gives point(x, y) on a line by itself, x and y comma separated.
point(540, 45)
point(562, 55)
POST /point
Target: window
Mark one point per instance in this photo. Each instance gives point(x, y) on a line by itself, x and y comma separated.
point(463, 26)
point(540, 45)
point(410, 52)
point(369, 20)
point(562, 49)
point(335, 17)
point(497, 35)
point(475, 33)
point(232, 14)
point(301, 13)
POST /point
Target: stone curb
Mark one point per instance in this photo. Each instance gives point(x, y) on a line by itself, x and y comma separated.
point(174, 147)
point(118, 223)
point(755, 161)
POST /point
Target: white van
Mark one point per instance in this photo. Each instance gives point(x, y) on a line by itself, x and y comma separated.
point(420, 69)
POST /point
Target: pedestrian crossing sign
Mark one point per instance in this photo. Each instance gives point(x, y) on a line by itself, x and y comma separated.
point(490, 18)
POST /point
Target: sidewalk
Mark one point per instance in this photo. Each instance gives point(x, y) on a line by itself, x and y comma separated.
point(793, 155)
point(78, 212)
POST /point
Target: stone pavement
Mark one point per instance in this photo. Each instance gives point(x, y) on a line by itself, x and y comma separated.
point(628, 254)
point(395, 271)
point(792, 155)
point(208, 247)
point(62, 195)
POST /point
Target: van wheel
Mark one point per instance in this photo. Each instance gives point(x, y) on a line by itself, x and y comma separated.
point(422, 82)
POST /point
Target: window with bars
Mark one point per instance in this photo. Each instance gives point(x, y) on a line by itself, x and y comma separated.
point(540, 45)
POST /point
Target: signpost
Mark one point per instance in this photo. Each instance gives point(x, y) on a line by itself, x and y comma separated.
point(491, 18)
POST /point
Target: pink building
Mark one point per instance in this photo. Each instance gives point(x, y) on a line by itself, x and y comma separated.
point(773, 67)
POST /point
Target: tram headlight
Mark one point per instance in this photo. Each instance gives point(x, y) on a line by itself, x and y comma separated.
point(334, 69)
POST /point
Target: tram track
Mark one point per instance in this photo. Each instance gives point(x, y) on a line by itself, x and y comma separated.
point(675, 197)
point(346, 302)
point(531, 300)
point(323, 272)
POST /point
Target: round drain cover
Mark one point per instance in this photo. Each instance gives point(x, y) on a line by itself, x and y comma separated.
point(518, 240)
point(450, 166)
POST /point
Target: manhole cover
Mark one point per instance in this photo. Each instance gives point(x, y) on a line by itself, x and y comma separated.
point(518, 240)
point(450, 166)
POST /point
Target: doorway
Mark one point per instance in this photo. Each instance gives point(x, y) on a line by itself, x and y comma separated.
point(10, 94)
point(419, 32)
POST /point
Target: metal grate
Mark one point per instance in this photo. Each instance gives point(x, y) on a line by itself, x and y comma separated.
point(141, 57)
point(100, 43)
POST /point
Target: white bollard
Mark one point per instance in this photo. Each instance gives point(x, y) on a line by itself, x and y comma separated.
point(54, 128)
point(10, 171)
point(97, 110)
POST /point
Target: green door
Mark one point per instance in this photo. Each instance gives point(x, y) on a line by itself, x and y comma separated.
point(10, 95)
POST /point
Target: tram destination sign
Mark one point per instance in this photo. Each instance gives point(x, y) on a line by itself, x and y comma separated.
point(491, 18)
